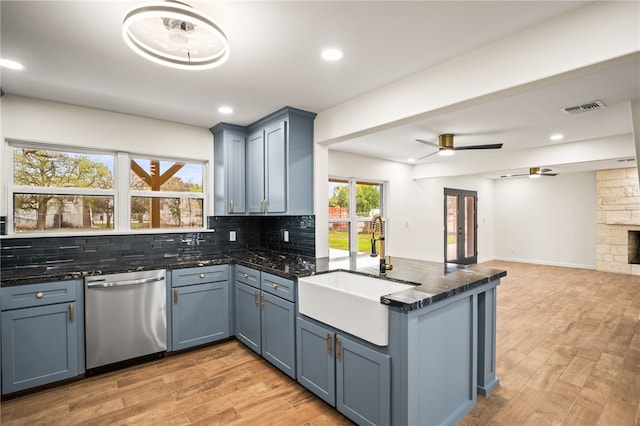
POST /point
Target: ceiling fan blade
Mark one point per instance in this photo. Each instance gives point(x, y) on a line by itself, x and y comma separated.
point(489, 146)
point(428, 155)
point(548, 174)
point(545, 170)
point(510, 176)
point(428, 143)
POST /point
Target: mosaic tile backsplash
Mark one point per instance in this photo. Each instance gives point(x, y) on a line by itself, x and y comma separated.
point(264, 232)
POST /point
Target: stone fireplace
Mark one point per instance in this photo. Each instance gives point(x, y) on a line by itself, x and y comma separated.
point(618, 221)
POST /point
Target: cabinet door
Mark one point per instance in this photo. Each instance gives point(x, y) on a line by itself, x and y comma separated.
point(275, 185)
point(39, 346)
point(278, 333)
point(247, 315)
point(363, 383)
point(255, 172)
point(235, 167)
point(200, 314)
point(315, 363)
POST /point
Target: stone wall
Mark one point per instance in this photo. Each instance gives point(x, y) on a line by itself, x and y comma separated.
point(618, 212)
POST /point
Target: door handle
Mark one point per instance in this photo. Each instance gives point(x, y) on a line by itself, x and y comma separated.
point(72, 315)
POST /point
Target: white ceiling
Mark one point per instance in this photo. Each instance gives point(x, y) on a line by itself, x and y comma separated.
point(73, 53)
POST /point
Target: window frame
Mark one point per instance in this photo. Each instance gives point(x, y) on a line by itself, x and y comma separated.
point(121, 192)
point(353, 219)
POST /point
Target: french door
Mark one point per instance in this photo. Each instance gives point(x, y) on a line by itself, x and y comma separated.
point(460, 226)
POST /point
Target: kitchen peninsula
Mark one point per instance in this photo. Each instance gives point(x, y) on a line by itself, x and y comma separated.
point(441, 331)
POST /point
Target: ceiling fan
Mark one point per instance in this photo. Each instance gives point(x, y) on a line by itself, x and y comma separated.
point(445, 145)
point(534, 172)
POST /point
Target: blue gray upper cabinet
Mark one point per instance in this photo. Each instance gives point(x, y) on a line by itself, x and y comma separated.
point(277, 174)
point(229, 169)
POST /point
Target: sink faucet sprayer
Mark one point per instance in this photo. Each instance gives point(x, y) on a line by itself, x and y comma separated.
point(375, 222)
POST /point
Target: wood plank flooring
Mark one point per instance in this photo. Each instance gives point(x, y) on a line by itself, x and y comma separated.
point(568, 354)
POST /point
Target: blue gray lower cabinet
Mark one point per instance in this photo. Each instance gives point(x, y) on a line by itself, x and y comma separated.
point(42, 334)
point(199, 306)
point(351, 376)
point(265, 316)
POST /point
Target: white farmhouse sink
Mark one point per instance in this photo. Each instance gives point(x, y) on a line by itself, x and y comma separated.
point(349, 302)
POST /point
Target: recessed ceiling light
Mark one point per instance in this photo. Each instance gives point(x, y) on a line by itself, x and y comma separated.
point(12, 65)
point(225, 110)
point(556, 137)
point(411, 160)
point(332, 54)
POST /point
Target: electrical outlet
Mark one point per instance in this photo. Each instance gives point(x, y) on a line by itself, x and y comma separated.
point(232, 235)
point(285, 236)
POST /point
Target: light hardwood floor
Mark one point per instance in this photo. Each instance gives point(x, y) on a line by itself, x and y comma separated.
point(568, 354)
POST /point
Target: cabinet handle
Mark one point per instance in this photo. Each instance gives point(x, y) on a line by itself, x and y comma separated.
point(275, 286)
point(261, 299)
point(256, 298)
point(72, 315)
point(337, 348)
point(175, 296)
point(328, 343)
point(39, 295)
point(231, 206)
point(201, 275)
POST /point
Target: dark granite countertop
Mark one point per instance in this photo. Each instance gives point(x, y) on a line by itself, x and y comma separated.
point(433, 281)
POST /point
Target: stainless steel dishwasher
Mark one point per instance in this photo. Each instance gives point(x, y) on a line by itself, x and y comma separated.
point(125, 317)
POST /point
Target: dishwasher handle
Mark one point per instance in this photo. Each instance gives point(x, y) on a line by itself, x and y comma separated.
point(105, 283)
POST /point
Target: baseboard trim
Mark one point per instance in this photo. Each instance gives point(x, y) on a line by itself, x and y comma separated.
point(546, 263)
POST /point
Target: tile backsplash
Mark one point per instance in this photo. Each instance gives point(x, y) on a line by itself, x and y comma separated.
point(263, 232)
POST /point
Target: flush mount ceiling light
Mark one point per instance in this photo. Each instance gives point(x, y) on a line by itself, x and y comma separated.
point(176, 35)
point(332, 54)
point(12, 65)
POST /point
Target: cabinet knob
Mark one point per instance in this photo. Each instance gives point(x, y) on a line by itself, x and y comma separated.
point(201, 275)
point(275, 286)
point(39, 295)
point(245, 276)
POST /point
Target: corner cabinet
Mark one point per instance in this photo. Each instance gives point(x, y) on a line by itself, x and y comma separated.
point(265, 316)
point(199, 305)
point(266, 167)
point(351, 376)
point(42, 334)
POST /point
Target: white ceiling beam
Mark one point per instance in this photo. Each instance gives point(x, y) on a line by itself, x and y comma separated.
point(594, 34)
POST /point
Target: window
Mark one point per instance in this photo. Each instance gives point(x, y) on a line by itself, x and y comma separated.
point(65, 190)
point(352, 204)
point(56, 190)
point(166, 194)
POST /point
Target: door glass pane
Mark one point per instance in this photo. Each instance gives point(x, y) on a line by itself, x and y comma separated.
point(338, 239)
point(452, 227)
point(338, 199)
point(367, 199)
point(469, 226)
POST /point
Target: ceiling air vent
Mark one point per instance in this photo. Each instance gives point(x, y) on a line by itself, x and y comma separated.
point(579, 109)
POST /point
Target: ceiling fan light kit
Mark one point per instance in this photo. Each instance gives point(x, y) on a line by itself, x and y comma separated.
point(446, 147)
point(176, 35)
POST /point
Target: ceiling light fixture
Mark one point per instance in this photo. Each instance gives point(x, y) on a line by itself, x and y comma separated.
point(225, 110)
point(12, 65)
point(176, 35)
point(332, 54)
point(556, 137)
point(534, 172)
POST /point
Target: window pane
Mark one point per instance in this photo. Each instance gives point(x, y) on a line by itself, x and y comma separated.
point(155, 175)
point(48, 212)
point(338, 199)
point(149, 212)
point(364, 238)
point(338, 239)
point(367, 199)
point(60, 169)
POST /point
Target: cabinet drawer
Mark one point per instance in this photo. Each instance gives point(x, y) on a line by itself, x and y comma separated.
point(203, 274)
point(25, 296)
point(248, 276)
point(281, 287)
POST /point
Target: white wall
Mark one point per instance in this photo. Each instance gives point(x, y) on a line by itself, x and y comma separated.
point(415, 208)
point(33, 120)
point(551, 220)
